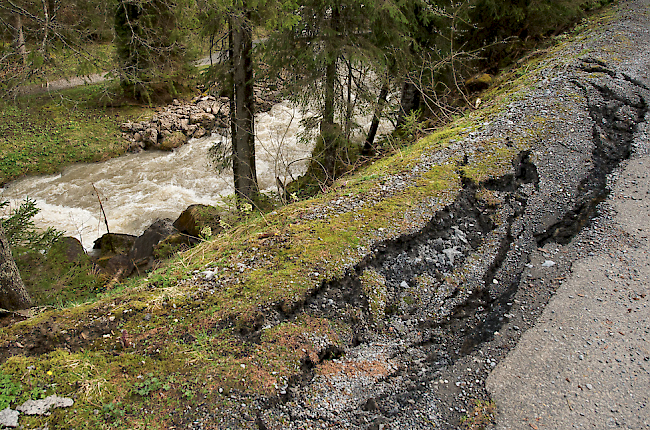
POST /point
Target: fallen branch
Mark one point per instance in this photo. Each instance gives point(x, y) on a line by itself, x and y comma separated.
point(101, 206)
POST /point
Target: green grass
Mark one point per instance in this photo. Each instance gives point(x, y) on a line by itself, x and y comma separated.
point(41, 134)
point(64, 63)
point(52, 280)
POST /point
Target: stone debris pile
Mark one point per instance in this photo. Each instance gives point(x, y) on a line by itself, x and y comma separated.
point(175, 124)
point(9, 417)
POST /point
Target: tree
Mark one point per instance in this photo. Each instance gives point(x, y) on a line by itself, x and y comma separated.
point(506, 28)
point(31, 31)
point(437, 51)
point(238, 19)
point(454, 39)
point(151, 49)
point(13, 295)
point(242, 104)
point(232, 25)
point(337, 57)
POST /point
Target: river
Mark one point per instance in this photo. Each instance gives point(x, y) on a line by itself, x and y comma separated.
point(137, 189)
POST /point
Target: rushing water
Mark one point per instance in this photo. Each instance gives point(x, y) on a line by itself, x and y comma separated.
point(137, 189)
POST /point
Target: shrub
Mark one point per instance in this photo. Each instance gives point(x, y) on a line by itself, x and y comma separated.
point(21, 232)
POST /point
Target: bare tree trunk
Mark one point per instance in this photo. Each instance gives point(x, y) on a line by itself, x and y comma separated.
point(46, 28)
point(330, 133)
point(20, 39)
point(13, 295)
point(242, 106)
point(330, 81)
point(410, 101)
point(348, 107)
point(374, 125)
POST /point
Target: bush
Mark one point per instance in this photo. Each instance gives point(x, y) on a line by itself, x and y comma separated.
point(50, 275)
point(21, 232)
point(506, 28)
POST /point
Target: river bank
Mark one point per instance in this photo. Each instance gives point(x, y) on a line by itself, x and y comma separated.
point(44, 133)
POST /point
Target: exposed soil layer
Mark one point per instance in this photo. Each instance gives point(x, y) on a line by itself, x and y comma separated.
point(457, 294)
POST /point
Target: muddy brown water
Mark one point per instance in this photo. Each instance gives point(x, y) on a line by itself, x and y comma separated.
point(137, 189)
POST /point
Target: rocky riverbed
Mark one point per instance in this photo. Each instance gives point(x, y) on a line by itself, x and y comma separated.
point(178, 122)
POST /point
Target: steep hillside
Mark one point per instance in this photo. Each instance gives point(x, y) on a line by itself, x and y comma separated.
point(381, 304)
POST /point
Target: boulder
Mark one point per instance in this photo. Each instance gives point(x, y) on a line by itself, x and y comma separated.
point(150, 136)
point(141, 254)
point(200, 132)
point(174, 140)
point(115, 265)
point(114, 243)
point(166, 123)
point(479, 82)
point(196, 217)
point(172, 244)
point(71, 247)
point(206, 120)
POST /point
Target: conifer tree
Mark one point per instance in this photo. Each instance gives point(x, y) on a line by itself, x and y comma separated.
point(31, 31)
point(151, 48)
point(337, 58)
point(234, 22)
point(13, 295)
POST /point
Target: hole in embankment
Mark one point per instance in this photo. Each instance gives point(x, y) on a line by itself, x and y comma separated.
point(415, 271)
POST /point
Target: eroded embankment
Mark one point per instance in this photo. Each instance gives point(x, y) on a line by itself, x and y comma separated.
point(441, 247)
point(427, 299)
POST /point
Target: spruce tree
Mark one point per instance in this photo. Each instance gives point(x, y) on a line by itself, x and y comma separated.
point(13, 295)
point(231, 24)
point(337, 58)
point(151, 48)
point(30, 32)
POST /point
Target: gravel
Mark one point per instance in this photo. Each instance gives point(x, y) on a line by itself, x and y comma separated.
point(437, 375)
point(467, 286)
point(585, 362)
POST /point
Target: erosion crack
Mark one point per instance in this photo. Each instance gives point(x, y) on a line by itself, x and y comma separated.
point(617, 107)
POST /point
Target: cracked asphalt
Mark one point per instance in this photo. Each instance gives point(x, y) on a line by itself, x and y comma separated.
point(586, 362)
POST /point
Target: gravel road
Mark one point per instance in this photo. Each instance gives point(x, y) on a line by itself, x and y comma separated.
point(64, 83)
point(586, 362)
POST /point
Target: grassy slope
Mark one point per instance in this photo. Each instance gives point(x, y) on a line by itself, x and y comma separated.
point(162, 343)
point(43, 133)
